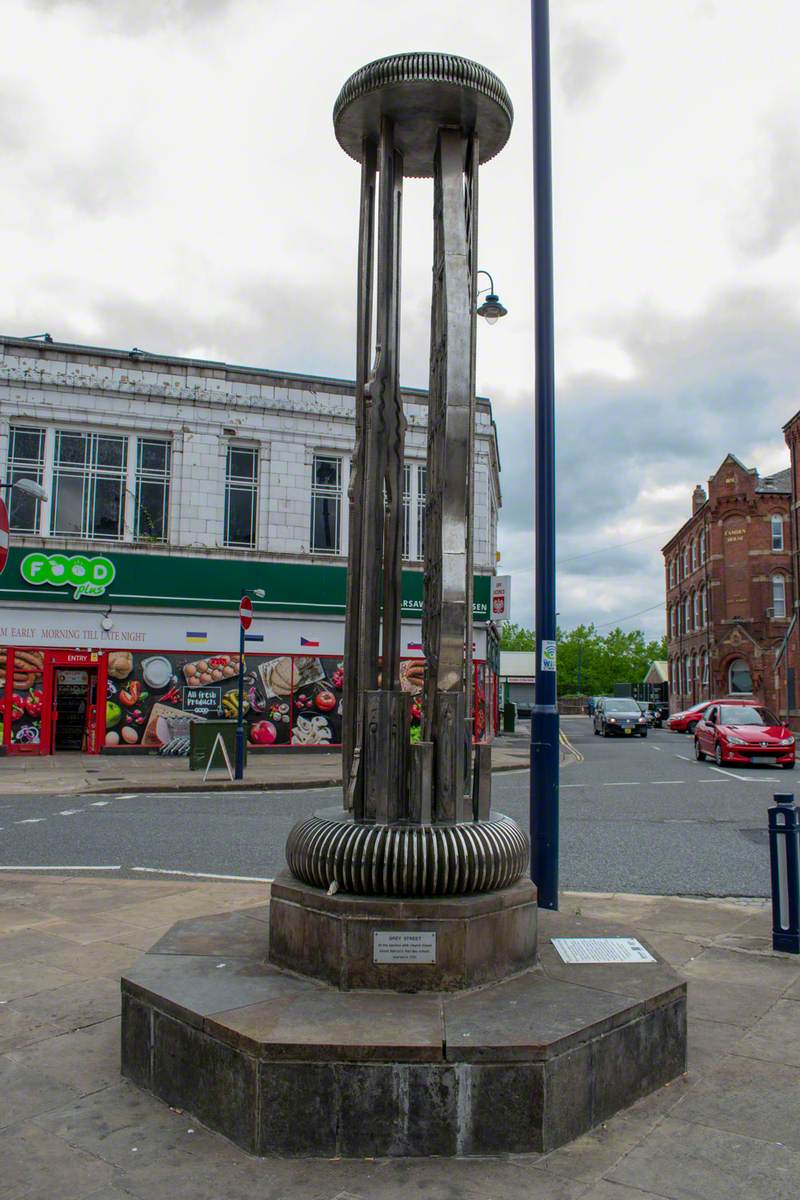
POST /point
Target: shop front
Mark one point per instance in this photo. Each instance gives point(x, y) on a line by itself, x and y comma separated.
point(120, 653)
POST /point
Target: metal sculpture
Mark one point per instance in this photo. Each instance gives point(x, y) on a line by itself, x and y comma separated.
point(417, 818)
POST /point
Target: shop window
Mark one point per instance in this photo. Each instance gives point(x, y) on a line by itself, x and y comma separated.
point(152, 490)
point(88, 485)
point(326, 504)
point(241, 496)
point(778, 596)
point(739, 679)
point(776, 525)
point(25, 461)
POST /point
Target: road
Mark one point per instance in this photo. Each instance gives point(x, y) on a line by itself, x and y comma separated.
point(637, 815)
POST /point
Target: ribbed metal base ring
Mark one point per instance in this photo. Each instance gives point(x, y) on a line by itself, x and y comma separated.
point(407, 860)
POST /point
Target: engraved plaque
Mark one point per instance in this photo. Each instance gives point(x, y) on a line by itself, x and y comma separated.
point(403, 946)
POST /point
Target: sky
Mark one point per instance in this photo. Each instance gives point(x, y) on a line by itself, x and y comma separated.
point(171, 181)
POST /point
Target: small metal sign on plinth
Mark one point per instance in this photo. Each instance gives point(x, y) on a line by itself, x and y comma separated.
point(403, 946)
point(602, 950)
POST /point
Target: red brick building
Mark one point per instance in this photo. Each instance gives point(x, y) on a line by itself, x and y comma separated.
point(730, 585)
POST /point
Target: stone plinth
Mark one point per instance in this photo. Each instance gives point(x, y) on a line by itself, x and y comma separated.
point(478, 939)
point(285, 1065)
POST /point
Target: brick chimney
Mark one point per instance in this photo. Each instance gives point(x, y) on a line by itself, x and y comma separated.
point(698, 498)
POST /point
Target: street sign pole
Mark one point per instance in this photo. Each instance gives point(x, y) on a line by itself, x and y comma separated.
point(245, 620)
point(544, 715)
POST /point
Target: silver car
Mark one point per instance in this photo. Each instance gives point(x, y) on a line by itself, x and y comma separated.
point(619, 715)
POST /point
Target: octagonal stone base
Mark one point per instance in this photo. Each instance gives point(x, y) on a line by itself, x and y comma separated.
point(478, 938)
point(286, 1065)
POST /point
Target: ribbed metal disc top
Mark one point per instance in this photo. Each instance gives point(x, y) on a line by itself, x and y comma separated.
point(421, 93)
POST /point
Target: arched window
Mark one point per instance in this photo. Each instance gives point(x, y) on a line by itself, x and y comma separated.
point(778, 596)
point(694, 555)
point(685, 557)
point(776, 526)
point(678, 681)
point(673, 620)
point(703, 546)
point(704, 606)
point(671, 570)
point(740, 682)
point(687, 668)
point(705, 669)
point(696, 609)
point(687, 615)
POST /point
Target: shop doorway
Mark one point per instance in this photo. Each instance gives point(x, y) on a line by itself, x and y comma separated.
point(74, 709)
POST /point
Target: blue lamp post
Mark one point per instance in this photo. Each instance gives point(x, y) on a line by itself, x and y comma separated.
point(544, 716)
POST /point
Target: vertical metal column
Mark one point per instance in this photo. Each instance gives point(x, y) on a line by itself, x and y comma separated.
point(352, 717)
point(544, 717)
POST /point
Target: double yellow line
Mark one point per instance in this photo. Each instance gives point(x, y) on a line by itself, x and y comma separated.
point(568, 746)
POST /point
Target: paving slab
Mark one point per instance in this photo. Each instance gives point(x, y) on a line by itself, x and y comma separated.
point(776, 1037)
point(72, 1006)
point(28, 1091)
point(37, 1164)
point(748, 1097)
point(682, 1161)
point(86, 1060)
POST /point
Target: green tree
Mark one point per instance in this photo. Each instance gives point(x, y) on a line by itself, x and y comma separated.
point(591, 664)
point(516, 637)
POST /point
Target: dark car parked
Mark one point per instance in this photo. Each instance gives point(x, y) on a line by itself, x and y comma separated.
point(619, 715)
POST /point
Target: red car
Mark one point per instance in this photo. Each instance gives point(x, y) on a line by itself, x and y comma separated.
point(684, 722)
point(743, 733)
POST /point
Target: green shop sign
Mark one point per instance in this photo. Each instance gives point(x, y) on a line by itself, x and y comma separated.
point(151, 580)
point(87, 576)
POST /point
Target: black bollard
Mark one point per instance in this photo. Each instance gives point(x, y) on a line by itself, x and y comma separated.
point(784, 855)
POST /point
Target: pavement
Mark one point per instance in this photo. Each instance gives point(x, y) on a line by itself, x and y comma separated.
point(71, 1128)
point(69, 774)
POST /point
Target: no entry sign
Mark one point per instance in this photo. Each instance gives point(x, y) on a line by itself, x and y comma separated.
point(246, 612)
point(3, 535)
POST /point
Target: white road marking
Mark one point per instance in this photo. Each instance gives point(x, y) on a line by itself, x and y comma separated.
point(684, 757)
point(99, 803)
point(27, 867)
point(660, 781)
point(203, 875)
point(563, 787)
point(69, 812)
point(710, 781)
point(126, 796)
point(660, 749)
point(31, 821)
point(730, 775)
point(624, 783)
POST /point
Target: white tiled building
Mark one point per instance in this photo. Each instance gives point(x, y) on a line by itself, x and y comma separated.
point(172, 486)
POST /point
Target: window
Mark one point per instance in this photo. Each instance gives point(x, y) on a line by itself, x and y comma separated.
point(151, 509)
point(705, 669)
point(687, 668)
point(696, 609)
point(673, 621)
point(25, 461)
point(704, 606)
point(326, 503)
point(422, 491)
point(687, 615)
point(678, 680)
point(694, 556)
point(241, 496)
point(672, 572)
point(406, 510)
point(88, 485)
point(739, 679)
point(776, 525)
point(703, 546)
point(685, 561)
point(778, 596)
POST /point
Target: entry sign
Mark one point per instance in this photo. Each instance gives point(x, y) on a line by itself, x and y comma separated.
point(3, 535)
point(246, 612)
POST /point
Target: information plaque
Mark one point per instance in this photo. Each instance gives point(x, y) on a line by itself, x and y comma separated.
point(602, 950)
point(403, 946)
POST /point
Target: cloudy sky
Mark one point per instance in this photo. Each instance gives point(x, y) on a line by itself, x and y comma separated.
point(171, 181)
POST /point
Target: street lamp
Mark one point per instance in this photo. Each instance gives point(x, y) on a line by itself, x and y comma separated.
point(28, 487)
point(238, 771)
point(491, 310)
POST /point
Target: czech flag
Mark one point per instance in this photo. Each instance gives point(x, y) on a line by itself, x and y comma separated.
point(307, 642)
